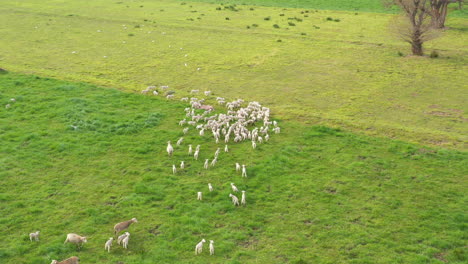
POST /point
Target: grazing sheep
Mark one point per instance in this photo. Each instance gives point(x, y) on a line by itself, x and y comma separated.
point(267, 137)
point(169, 96)
point(195, 155)
point(244, 171)
point(217, 153)
point(182, 165)
point(71, 260)
point(121, 237)
point(34, 236)
point(108, 244)
point(199, 196)
point(124, 225)
point(13, 99)
point(164, 87)
point(198, 148)
point(180, 141)
point(169, 148)
point(206, 164)
point(207, 93)
point(155, 93)
point(199, 247)
point(7, 106)
point(174, 169)
point(235, 200)
point(226, 149)
point(243, 198)
point(194, 91)
point(254, 145)
point(190, 149)
point(75, 239)
point(151, 88)
point(234, 188)
point(210, 187)
point(211, 247)
point(185, 130)
point(238, 167)
point(125, 240)
point(202, 132)
point(184, 99)
point(145, 91)
point(213, 162)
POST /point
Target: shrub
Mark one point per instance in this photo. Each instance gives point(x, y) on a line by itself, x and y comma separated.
point(267, 18)
point(227, 18)
point(291, 24)
point(254, 25)
point(329, 18)
point(131, 34)
point(137, 26)
point(303, 33)
point(218, 8)
point(248, 27)
point(337, 20)
point(252, 9)
point(281, 14)
point(276, 26)
point(434, 54)
point(279, 40)
point(400, 54)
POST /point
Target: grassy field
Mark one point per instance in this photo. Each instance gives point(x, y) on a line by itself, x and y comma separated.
point(315, 194)
point(333, 68)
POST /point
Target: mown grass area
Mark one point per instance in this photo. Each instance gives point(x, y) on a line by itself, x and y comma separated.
point(314, 194)
point(333, 68)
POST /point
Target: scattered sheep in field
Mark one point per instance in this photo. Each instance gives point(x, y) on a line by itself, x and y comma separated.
point(124, 225)
point(210, 187)
point(34, 236)
point(75, 239)
point(212, 250)
point(213, 162)
point(174, 169)
point(108, 244)
point(238, 167)
point(155, 93)
point(180, 141)
point(185, 130)
point(169, 148)
point(234, 188)
point(182, 165)
point(206, 164)
point(207, 93)
point(71, 260)
point(195, 155)
point(190, 150)
point(235, 200)
point(226, 149)
point(125, 240)
point(199, 247)
point(244, 171)
point(199, 196)
point(243, 198)
point(121, 237)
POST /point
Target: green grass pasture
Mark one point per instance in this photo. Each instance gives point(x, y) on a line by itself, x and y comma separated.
point(333, 68)
point(314, 194)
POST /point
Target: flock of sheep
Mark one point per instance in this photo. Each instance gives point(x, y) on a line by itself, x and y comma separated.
point(237, 123)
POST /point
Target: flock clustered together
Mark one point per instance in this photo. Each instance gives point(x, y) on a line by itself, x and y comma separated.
point(237, 124)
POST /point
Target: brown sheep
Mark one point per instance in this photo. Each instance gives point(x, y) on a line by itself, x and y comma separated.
point(124, 225)
point(72, 260)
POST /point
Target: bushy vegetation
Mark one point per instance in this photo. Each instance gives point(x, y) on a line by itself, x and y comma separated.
point(79, 158)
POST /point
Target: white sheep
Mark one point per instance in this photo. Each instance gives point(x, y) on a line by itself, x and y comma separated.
point(243, 198)
point(254, 145)
point(76, 239)
point(182, 164)
point(34, 236)
point(169, 148)
point(124, 225)
point(212, 251)
point(238, 167)
point(7, 106)
point(169, 96)
point(199, 247)
point(244, 171)
point(184, 99)
point(213, 162)
point(71, 260)
point(197, 148)
point(108, 244)
point(199, 196)
point(185, 130)
point(206, 164)
point(174, 169)
point(121, 237)
point(125, 240)
point(189, 149)
point(226, 149)
point(217, 153)
point(194, 91)
point(234, 188)
point(210, 187)
point(195, 155)
point(207, 93)
point(13, 99)
point(180, 141)
point(155, 93)
point(235, 200)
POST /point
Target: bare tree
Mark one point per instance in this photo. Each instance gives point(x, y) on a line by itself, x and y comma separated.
point(439, 10)
point(417, 27)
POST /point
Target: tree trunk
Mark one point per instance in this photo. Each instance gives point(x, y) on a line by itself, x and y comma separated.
point(417, 44)
point(439, 13)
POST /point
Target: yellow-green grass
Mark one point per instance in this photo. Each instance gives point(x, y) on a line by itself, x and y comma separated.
point(314, 194)
point(341, 74)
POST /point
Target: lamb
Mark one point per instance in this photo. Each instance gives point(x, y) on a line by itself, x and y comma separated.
point(180, 141)
point(238, 167)
point(169, 148)
point(121, 237)
point(124, 225)
point(199, 196)
point(108, 244)
point(184, 99)
point(71, 260)
point(210, 187)
point(207, 93)
point(235, 200)
point(213, 162)
point(125, 240)
point(174, 169)
point(169, 96)
point(199, 247)
point(7, 106)
point(185, 130)
point(190, 149)
point(206, 164)
point(34, 236)
point(212, 247)
point(195, 155)
point(217, 153)
point(243, 198)
point(75, 239)
point(254, 145)
point(182, 165)
point(234, 188)
point(244, 171)
point(194, 91)
point(155, 93)
point(226, 149)
point(164, 87)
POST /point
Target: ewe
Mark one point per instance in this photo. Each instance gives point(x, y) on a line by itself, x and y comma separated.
point(199, 196)
point(169, 148)
point(235, 200)
point(211, 247)
point(34, 236)
point(124, 225)
point(75, 239)
point(199, 247)
point(234, 188)
point(210, 187)
point(243, 198)
point(244, 171)
point(72, 260)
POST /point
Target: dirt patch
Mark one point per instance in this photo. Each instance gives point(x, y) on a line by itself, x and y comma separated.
point(155, 230)
point(440, 256)
point(250, 244)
